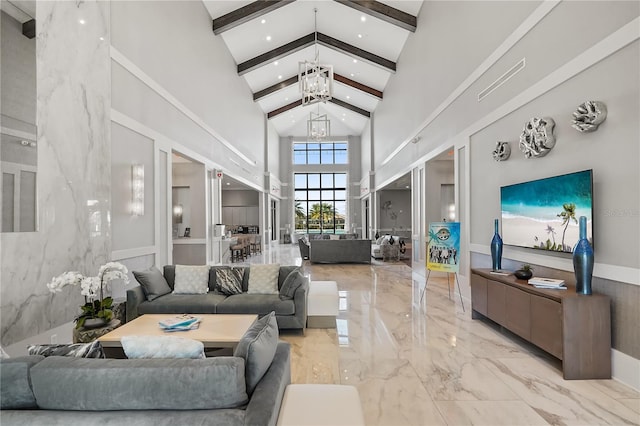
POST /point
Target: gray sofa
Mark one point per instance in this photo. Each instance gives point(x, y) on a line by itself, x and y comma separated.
point(290, 313)
point(137, 392)
point(340, 251)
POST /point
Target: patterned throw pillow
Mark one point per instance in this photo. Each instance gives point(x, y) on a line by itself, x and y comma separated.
point(191, 279)
point(229, 280)
point(78, 350)
point(263, 279)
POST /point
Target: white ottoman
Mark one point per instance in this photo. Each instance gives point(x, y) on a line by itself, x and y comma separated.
point(322, 304)
point(321, 405)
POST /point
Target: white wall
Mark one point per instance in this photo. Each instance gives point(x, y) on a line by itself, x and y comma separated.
point(438, 172)
point(173, 75)
point(400, 207)
point(273, 150)
point(192, 175)
point(128, 148)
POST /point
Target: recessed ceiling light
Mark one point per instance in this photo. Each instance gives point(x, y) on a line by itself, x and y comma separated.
point(359, 35)
point(343, 114)
point(279, 77)
point(342, 118)
point(352, 74)
point(275, 63)
point(268, 38)
point(286, 99)
point(101, 38)
point(228, 183)
point(82, 21)
point(263, 21)
point(355, 61)
point(348, 97)
point(363, 18)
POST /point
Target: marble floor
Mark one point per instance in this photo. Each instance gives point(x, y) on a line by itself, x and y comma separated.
point(429, 363)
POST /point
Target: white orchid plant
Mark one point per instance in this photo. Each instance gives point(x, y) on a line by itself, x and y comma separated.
point(96, 306)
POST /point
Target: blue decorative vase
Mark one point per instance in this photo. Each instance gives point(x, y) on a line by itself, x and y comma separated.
point(496, 249)
point(583, 260)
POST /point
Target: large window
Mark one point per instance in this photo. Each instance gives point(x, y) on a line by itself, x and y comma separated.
point(320, 202)
point(320, 153)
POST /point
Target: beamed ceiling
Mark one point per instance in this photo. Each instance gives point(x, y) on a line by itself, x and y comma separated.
point(362, 40)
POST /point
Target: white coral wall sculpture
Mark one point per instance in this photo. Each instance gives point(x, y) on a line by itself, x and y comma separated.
point(589, 116)
point(502, 151)
point(537, 138)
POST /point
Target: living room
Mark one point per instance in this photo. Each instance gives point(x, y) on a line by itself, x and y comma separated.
point(144, 79)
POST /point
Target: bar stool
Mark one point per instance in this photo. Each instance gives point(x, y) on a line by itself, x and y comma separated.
point(237, 253)
point(256, 246)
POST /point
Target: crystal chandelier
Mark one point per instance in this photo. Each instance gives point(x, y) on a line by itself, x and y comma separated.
point(318, 126)
point(316, 80)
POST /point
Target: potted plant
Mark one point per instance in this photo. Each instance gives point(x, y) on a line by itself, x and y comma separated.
point(96, 311)
point(524, 273)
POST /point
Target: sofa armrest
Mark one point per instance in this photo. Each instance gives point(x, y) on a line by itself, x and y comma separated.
point(265, 402)
point(135, 296)
point(300, 303)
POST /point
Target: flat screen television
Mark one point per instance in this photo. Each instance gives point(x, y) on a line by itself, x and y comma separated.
point(544, 213)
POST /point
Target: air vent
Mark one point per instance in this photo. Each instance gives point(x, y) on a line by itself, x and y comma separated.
point(502, 79)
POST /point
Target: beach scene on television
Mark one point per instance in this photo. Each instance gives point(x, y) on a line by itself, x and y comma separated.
point(543, 214)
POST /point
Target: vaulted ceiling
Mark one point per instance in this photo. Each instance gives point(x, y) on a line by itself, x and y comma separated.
point(362, 40)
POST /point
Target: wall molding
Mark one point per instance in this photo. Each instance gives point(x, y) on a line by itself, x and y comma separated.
point(523, 29)
point(131, 67)
point(133, 252)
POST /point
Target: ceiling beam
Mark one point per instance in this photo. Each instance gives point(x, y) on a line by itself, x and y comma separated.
point(356, 85)
point(350, 107)
point(337, 77)
point(308, 40)
point(275, 54)
point(246, 13)
point(382, 11)
point(29, 28)
point(352, 50)
point(284, 109)
point(334, 101)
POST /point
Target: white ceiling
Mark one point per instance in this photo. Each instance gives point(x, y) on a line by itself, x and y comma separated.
point(295, 20)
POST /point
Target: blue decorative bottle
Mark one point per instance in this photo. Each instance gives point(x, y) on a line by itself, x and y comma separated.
point(583, 260)
point(496, 249)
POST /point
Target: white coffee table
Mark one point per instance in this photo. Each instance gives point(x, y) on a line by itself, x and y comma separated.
point(215, 331)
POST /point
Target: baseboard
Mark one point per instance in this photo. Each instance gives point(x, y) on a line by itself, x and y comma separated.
point(625, 369)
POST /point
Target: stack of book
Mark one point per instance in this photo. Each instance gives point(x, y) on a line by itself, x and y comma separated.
point(547, 283)
point(180, 323)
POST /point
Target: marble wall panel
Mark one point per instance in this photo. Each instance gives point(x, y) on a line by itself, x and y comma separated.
point(74, 171)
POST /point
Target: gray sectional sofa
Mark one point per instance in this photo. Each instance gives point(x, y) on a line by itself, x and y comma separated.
point(340, 251)
point(138, 392)
point(290, 313)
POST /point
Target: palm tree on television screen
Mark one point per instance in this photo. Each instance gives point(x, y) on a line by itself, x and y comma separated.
point(568, 214)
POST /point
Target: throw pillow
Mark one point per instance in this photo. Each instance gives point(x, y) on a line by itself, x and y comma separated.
point(263, 279)
point(191, 279)
point(291, 284)
point(79, 350)
point(152, 282)
point(229, 280)
point(257, 347)
point(379, 240)
point(162, 347)
point(334, 237)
